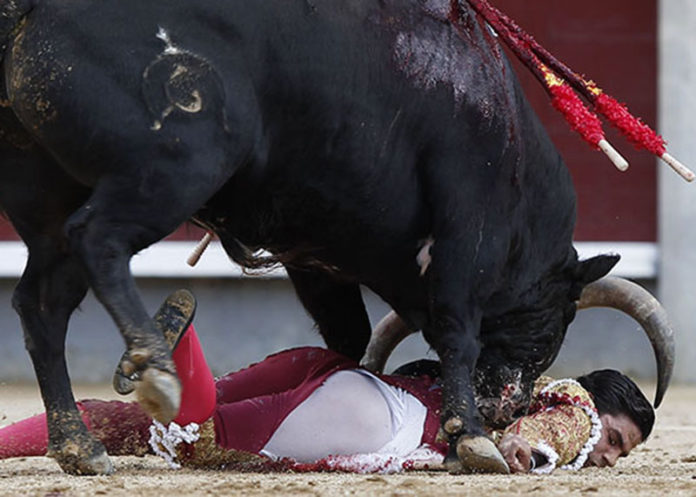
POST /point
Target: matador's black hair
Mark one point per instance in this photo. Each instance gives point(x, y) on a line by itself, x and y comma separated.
point(615, 393)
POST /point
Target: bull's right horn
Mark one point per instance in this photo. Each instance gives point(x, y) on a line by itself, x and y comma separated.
point(638, 303)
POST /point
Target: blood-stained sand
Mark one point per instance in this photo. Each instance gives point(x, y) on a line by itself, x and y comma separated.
point(665, 465)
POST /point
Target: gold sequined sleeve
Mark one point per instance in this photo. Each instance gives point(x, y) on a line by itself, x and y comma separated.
point(563, 425)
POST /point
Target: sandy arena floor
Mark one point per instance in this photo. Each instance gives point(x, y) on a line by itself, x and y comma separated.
point(665, 465)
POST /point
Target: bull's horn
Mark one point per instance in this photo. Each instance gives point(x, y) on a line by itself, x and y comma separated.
point(610, 291)
point(638, 303)
point(388, 333)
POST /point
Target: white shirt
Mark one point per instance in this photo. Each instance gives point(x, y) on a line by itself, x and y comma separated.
point(353, 412)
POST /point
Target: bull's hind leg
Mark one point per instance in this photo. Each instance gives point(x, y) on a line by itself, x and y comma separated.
point(124, 215)
point(37, 197)
point(338, 310)
point(52, 286)
point(105, 248)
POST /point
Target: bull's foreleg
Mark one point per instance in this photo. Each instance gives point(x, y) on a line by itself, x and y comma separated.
point(338, 310)
point(470, 449)
point(107, 258)
point(105, 247)
point(453, 331)
point(51, 287)
point(128, 212)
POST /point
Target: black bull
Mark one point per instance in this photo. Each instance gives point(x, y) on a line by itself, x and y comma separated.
point(384, 143)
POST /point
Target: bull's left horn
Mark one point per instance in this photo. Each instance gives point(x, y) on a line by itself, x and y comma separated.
point(638, 303)
point(388, 333)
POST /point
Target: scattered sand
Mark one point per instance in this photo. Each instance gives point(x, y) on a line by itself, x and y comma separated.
point(665, 465)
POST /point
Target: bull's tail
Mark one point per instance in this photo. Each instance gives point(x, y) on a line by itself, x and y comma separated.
point(11, 14)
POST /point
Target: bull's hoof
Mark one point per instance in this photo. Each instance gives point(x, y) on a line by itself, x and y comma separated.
point(477, 455)
point(173, 318)
point(122, 383)
point(159, 394)
point(75, 462)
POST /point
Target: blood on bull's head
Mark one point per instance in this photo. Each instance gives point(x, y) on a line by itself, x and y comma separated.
point(502, 400)
point(518, 345)
point(516, 350)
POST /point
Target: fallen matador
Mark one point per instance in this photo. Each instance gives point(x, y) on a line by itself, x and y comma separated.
point(313, 409)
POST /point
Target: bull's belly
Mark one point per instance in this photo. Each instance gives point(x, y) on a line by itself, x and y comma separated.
point(386, 253)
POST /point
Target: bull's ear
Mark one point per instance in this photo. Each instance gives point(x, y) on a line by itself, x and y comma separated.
point(596, 267)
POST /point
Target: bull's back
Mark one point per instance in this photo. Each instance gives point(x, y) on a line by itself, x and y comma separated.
point(332, 61)
point(343, 102)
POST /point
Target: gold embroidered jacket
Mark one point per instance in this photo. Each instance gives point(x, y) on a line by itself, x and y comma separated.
point(562, 424)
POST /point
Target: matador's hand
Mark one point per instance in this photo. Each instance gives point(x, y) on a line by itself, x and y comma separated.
point(517, 453)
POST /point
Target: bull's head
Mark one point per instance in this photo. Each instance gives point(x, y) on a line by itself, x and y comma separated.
point(518, 346)
point(522, 333)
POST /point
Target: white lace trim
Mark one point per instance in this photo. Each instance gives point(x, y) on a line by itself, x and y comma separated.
point(595, 431)
point(551, 459)
point(556, 383)
point(164, 439)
